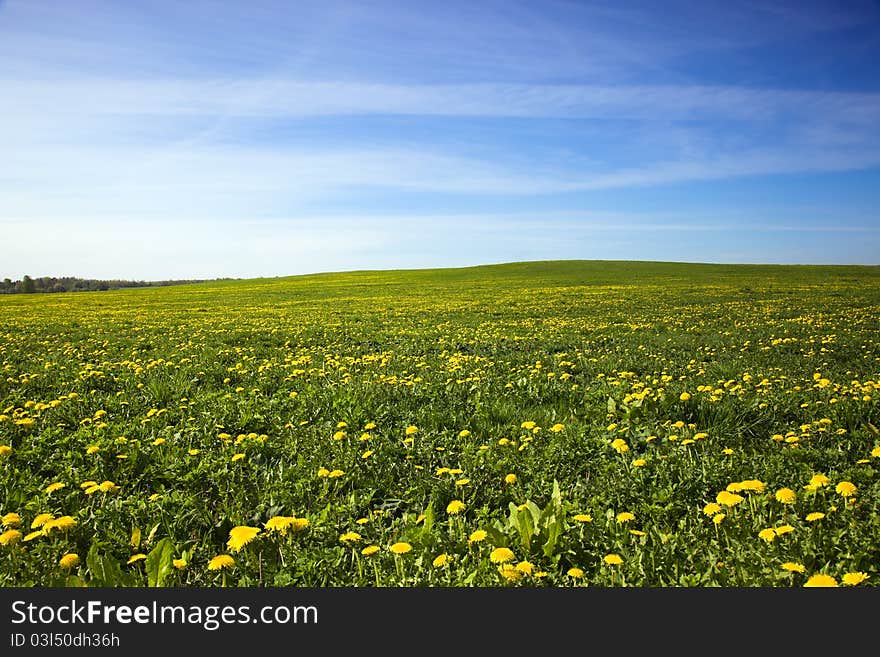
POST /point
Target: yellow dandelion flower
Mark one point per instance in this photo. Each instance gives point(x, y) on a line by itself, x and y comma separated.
point(556, 428)
point(817, 481)
point(875, 453)
point(852, 579)
point(180, 564)
point(108, 487)
point(69, 560)
point(462, 482)
point(612, 559)
point(477, 536)
point(348, 537)
point(41, 520)
point(5, 450)
point(51, 488)
point(400, 548)
point(726, 498)
point(220, 562)
point(768, 534)
point(821, 580)
point(299, 524)
point(753, 485)
point(525, 567)
point(370, 549)
point(718, 518)
point(334, 474)
point(846, 489)
point(62, 523)
point(528, 424)
point(240, 536)
point(9, 537)
point(92, 449)
point(279, 524)
point(441, 560)
point(625, 516)
point(793, 567)
point(137, 557)
point(323, 472)
point(455, 507)
point(786, 496)
point(510, 479)
point(702, 435)
point(575, 573)
point(411, 430)
point(509, 572)
point(639, 463)
point(237, 457)
point(684, 396)
point(813, 517)
point(582, 517)
point(33, 535)
point(782, 530)
point(464, 433)
point(619, 445)
point(501, 555)
point(11, 519)
point(711, 509)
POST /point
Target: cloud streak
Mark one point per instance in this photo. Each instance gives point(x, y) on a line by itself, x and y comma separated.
point(267, 98)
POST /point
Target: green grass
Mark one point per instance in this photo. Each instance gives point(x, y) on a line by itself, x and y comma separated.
point(781, 364)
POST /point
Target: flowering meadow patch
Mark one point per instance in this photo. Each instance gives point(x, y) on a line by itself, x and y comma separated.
point(539, 424)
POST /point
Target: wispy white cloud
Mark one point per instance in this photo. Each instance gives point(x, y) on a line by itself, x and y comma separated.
point(267, 98)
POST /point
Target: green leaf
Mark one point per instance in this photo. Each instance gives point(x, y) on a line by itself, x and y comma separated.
point(159, 562)
point(428, 523)
point(152, 533)
point(526, 528)
point(536, 513)
point(104, 570)
point(554, 530)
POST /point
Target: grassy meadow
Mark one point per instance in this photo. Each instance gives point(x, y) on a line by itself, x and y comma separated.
point(571, 423)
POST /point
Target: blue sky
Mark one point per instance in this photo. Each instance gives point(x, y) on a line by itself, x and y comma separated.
point(207, 139)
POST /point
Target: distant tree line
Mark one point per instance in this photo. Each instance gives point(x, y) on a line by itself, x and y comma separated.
point(28, 285)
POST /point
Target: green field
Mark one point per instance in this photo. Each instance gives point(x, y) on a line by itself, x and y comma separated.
point(572, 423)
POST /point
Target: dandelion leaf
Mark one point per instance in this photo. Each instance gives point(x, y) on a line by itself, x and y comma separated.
point(159, 562)
point(104, 570)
